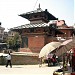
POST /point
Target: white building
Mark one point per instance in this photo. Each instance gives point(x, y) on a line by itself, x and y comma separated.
point(1, 33)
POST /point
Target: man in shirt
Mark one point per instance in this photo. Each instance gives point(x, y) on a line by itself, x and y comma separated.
point(8, 60)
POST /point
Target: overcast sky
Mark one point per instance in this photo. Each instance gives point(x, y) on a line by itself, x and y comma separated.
point(10, 9)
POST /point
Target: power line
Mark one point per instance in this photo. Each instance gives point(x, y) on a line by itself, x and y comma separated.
point(35, 4)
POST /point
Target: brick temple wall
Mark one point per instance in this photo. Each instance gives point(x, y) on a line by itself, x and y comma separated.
point(35, 43)
point(21, 60)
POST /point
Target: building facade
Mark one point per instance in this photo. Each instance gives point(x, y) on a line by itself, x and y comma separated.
point(1, 33)
point(38, 33)
point(68, 31)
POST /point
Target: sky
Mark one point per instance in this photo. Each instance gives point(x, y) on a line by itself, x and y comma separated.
point(10, 9)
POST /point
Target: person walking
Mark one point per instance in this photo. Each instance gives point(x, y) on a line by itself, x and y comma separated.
point(8, 60)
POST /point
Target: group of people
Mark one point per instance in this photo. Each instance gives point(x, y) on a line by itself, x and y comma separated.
point(52, 59)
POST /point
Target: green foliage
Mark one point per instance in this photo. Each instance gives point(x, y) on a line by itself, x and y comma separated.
point(14, 42)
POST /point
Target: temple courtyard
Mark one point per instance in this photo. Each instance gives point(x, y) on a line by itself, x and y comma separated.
point(28, 70)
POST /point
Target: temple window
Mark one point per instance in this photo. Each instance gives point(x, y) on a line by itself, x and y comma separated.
point(24, 42)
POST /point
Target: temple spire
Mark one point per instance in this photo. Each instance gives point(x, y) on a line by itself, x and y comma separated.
point(39, 5)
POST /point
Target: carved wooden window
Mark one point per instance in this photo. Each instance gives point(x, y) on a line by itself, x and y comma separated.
point(24, 42)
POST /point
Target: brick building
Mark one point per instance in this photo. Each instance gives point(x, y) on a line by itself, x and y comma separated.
point(38, 33)
point(1, 33)
point(68, 31)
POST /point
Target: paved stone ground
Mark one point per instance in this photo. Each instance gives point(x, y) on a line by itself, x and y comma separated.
point(28, 70)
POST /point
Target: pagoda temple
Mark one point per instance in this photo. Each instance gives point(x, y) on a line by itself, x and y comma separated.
point(39, 32)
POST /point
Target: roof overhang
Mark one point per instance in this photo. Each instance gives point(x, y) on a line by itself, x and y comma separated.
point(50, 16)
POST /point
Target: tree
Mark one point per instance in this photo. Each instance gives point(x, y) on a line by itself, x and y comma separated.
point(14, 42)
point(17, 41)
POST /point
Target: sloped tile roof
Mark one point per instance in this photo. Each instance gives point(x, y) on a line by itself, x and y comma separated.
point(34, 25)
